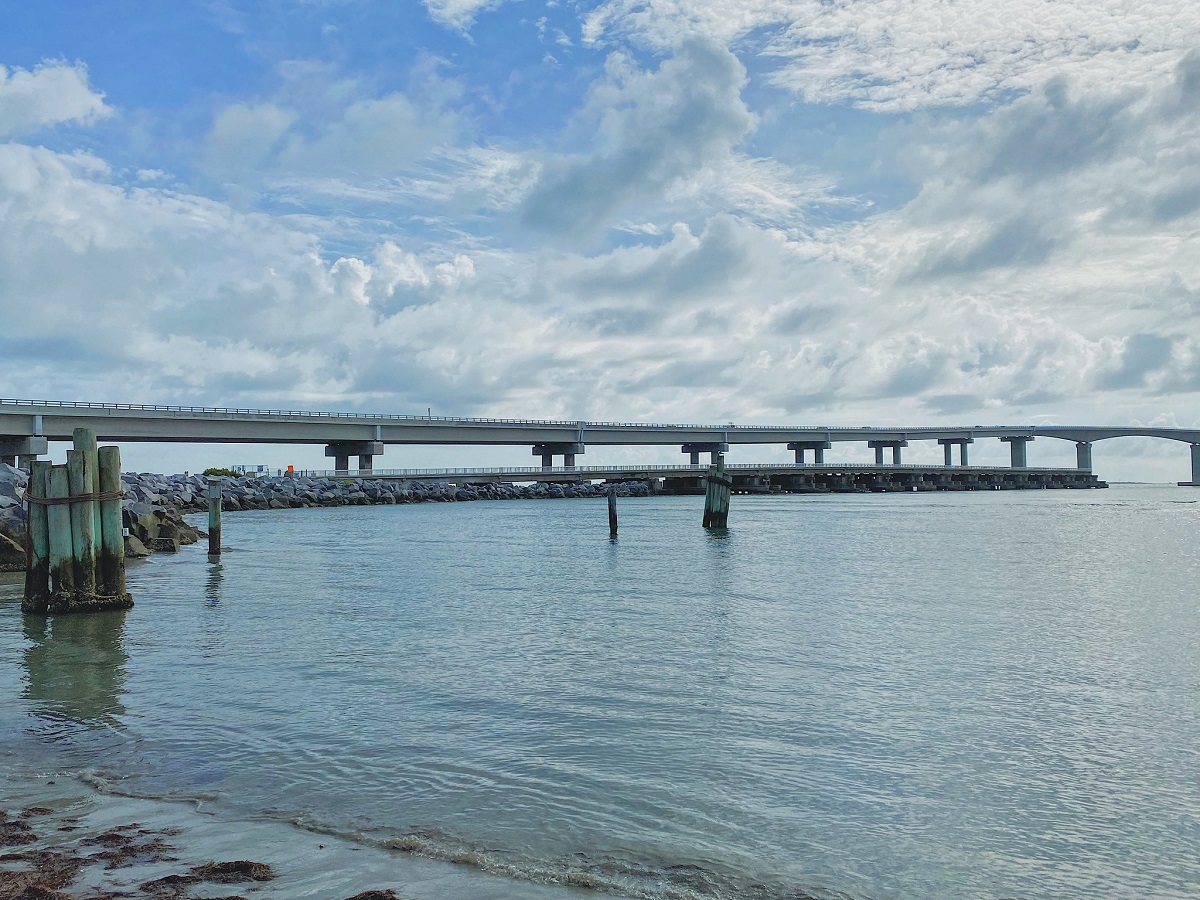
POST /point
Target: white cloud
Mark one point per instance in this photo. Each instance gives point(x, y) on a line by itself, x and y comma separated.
point(458, 14)
point(896, 55)
point(891, 55)
point(243, 136)
point(321, 130)
point(650, 130)
point(51, 94)
point(377, 136)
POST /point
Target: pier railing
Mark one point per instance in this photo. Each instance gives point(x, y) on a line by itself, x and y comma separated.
point(634, 470)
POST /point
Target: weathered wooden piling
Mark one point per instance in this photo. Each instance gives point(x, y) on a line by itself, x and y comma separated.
point(612, 510)
point(61, 543)
point(214, 515)
point(37, 573)
point(716, 497)
point(84, 439)
point(83, 519)
point(112, 531)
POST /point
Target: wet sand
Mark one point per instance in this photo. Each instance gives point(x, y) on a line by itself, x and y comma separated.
point(61, 838)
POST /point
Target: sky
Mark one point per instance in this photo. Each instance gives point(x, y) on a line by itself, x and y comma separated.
point(843, 212)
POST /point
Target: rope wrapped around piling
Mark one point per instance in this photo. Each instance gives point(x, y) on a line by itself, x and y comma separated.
point(96, 496)
point(30, 500)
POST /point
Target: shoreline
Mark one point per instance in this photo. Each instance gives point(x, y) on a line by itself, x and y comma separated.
point(62, 838)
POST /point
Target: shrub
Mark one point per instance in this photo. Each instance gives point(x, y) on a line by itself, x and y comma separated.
point(230, 473)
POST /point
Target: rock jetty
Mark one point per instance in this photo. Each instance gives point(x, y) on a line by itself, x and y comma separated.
point(154, 505)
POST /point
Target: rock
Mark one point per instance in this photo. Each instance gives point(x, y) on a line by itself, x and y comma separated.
point(134, 548)
point(12, 522)
point(12, 555)
point(12, 482)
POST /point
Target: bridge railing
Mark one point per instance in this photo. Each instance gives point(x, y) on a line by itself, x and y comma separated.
point(406, 417)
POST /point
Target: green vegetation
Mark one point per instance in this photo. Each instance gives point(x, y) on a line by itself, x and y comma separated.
point(227, 472)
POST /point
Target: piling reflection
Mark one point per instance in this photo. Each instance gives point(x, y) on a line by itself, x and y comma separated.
point(214, 582)
point(75, 668)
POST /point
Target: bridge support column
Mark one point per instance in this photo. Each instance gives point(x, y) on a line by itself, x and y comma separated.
point(568, 451)
point(1083, 455)
point(817, 447)
point(895, 446)
point(961, 442)
point(1195, 482)
point(713, 449)
point(1017, 450)
point(364, 450)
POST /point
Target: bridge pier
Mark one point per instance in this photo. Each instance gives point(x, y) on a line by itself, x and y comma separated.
point(949, 443)
point(366, 451)
point(878, 447)
point(713, 449)
point(1083, 455)
point(567, 451)
point(22, 451)
point(1019, 458)
point(1195, 482)
point(817, 447)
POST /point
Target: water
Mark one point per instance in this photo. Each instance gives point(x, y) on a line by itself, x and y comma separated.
point(936, 695)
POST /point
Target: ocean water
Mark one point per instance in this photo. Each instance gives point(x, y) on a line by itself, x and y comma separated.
point(948, 695)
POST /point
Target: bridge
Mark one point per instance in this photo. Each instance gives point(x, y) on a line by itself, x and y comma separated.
point(26, 427)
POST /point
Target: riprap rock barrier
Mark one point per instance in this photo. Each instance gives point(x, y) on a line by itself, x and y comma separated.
point(154, 505)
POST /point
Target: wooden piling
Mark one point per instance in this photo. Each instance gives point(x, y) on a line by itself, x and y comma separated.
point(85, 440)
point(61, 545)
point(37, 574)
point(612, 510)
point(214, 515)
point(83, 519)
point(112, 531)
point(716, 497)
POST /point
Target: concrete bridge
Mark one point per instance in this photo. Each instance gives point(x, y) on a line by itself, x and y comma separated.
point(26, 427)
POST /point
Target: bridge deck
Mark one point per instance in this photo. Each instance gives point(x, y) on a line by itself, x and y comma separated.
point(129, 422)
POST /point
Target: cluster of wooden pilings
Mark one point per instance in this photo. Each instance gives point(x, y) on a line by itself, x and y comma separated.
point(76, 543)
point(716, 496)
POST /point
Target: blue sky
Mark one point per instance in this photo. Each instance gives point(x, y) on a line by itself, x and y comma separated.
point(864, 211)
